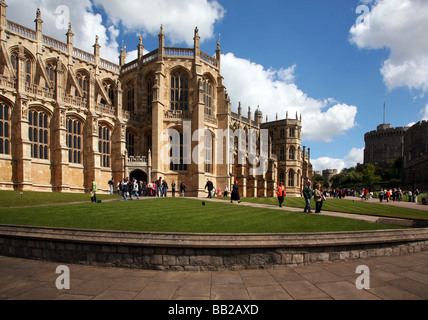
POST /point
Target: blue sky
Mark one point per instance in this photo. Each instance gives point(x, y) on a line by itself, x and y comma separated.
point(319, 58)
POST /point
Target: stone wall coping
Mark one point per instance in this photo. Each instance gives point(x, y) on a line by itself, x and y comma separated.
point(190, 240)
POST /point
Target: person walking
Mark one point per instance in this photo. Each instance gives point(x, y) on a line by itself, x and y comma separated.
point(94, 190)
point(381, 194)
point(235, 193)
point(209, 185)
point(164, 190)
point(319, 198)
point(182, 188)
point(415, 196)
point(125, 189)
point(134, 186)
point(111, 184)
point(280, 193)
point(173, 189)
point(307, 194)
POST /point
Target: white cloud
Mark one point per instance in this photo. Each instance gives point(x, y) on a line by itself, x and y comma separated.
point(177, 17)
point(424, 113)
point(400, 26)
point(86, 23)
point(275, 92)
point(354, 156)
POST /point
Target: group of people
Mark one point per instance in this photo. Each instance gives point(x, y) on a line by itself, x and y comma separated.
point(395, 194)
point(132, 188)
point(317, 193)
point(234, 195)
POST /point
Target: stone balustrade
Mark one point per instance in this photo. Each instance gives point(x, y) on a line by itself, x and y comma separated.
point(203, 252)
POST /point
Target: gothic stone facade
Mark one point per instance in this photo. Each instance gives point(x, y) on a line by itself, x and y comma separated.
point(68, 116)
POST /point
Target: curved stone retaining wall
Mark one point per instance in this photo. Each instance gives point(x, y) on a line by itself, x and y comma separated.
point(203, 252)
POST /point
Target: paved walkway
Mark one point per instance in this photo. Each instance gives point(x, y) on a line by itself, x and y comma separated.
point(390, 278)
point(362, 217)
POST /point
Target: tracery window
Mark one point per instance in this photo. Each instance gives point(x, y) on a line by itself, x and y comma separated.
point(208, 93)
point(74, 141)
point(104, 145)
point(4, 129)
point(208, 143)
point(83, 81)
point(177, 152)
point(50, 70)
point(38, 134)
point(130, 98)
point(291, 154)
point(150, 84)
point(130, 143)
point(179, 91)
point(291, 178)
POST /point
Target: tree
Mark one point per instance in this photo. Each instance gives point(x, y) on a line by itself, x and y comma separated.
point(319, 179)
point(369, 175)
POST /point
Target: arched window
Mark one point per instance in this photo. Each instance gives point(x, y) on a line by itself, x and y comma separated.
point(14, 57)
point(27, 72)
point(108, 88)
point(208, 97)
point(281, 176)
point(130, 98)
point(291, 178)
point(50, 70)
point(179, 91)
point(130, 143)
point(291, 154)
point(177, 152)
point(150, 84)
point(208, 143)
point(74, 141)
point(104, 141)
point(38, 134)
point(282, 154)
point(83, 81)
point(14, 62)
point(4, 129)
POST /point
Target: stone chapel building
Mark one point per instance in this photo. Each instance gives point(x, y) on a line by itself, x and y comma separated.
point(68, 116)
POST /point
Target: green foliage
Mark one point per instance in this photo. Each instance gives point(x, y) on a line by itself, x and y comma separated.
point(370, 176)
point(319, 179)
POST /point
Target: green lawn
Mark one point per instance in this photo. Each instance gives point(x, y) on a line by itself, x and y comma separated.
point(349, 206)
point(168, 215)
point(16, 199)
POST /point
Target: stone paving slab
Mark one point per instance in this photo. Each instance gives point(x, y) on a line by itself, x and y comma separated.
point(391, 278)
